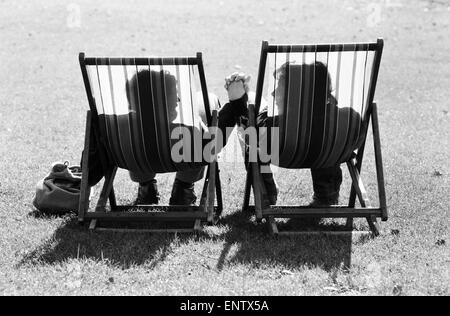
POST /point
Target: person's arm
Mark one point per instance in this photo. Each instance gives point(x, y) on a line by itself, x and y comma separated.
point(263, 120)
point(230, 113)
point(237, 106)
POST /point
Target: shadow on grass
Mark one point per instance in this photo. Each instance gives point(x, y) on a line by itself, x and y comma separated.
point(255, 246)
point(124, 250)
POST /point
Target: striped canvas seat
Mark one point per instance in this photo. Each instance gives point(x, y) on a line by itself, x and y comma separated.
point(318, 98)
point(140, 103)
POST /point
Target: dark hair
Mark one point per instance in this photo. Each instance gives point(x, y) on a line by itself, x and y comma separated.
point(146, 81)
point(322, 78)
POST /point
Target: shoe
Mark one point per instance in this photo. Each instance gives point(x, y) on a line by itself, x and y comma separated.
point(319, 203)
point(323, 202)
point(182, 193)
point(147, 193)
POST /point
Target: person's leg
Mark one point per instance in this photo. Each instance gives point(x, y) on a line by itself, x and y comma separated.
point(190, 175)
point(183, 187)
point(148, 189)
point(326, 183)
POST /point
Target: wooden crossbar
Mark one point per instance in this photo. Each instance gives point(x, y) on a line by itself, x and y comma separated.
point(285, 211)
point(196, 229)
point(140, 61)
point(146, 216)
point(322, 48)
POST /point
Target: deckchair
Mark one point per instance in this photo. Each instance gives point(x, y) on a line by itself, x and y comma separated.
point(134, 135)
point(328, 136)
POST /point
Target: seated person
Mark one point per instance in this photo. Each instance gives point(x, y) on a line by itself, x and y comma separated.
point(326, 181)
point(183, 186)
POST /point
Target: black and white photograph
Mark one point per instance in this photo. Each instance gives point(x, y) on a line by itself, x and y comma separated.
point(222, 154)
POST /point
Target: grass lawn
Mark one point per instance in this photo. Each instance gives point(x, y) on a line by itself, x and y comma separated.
point(42, 110)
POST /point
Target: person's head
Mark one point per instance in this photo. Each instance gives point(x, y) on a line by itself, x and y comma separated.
point(145, 85)
point(316, 73)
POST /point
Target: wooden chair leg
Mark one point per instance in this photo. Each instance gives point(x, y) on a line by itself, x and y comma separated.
point(349, 223)
point(85, 190)
point(374, 225)
point(210, 193)
point(93, 224)
point(258, 194)
point(379, 162)
point(363, 197)
point(219, 193)
point(248, 187)
point(197, 226)
point(106, 190)
point(257, 183)
point(112, 199)
point(204, 191)
point(273, 226)
point(358, 185)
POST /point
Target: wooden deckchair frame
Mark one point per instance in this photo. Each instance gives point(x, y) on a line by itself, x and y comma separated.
point(211, 193)
point(354, 164)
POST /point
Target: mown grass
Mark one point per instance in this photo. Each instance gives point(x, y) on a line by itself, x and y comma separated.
point(42, 109)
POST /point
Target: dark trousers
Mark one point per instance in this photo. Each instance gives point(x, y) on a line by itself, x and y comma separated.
point(187, 176)
point(326, 183)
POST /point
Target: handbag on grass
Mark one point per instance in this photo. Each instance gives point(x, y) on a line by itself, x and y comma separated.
point(59, 191)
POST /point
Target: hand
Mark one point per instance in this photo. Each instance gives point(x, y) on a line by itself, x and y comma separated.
point(237, 84)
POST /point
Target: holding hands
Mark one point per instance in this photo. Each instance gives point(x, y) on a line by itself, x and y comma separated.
point(237, 84)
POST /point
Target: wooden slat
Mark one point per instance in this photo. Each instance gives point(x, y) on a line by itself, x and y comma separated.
point(325, 233)
point(160, 208)
point(333, 212)
point(145, 216)
point(155, 231)
point(323, 48)
point(141, 61)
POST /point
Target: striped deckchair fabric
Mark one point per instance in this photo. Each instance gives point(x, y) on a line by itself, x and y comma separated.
point(149, 115)
point(319, 95)
point(140, 102)
point(321, 99)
